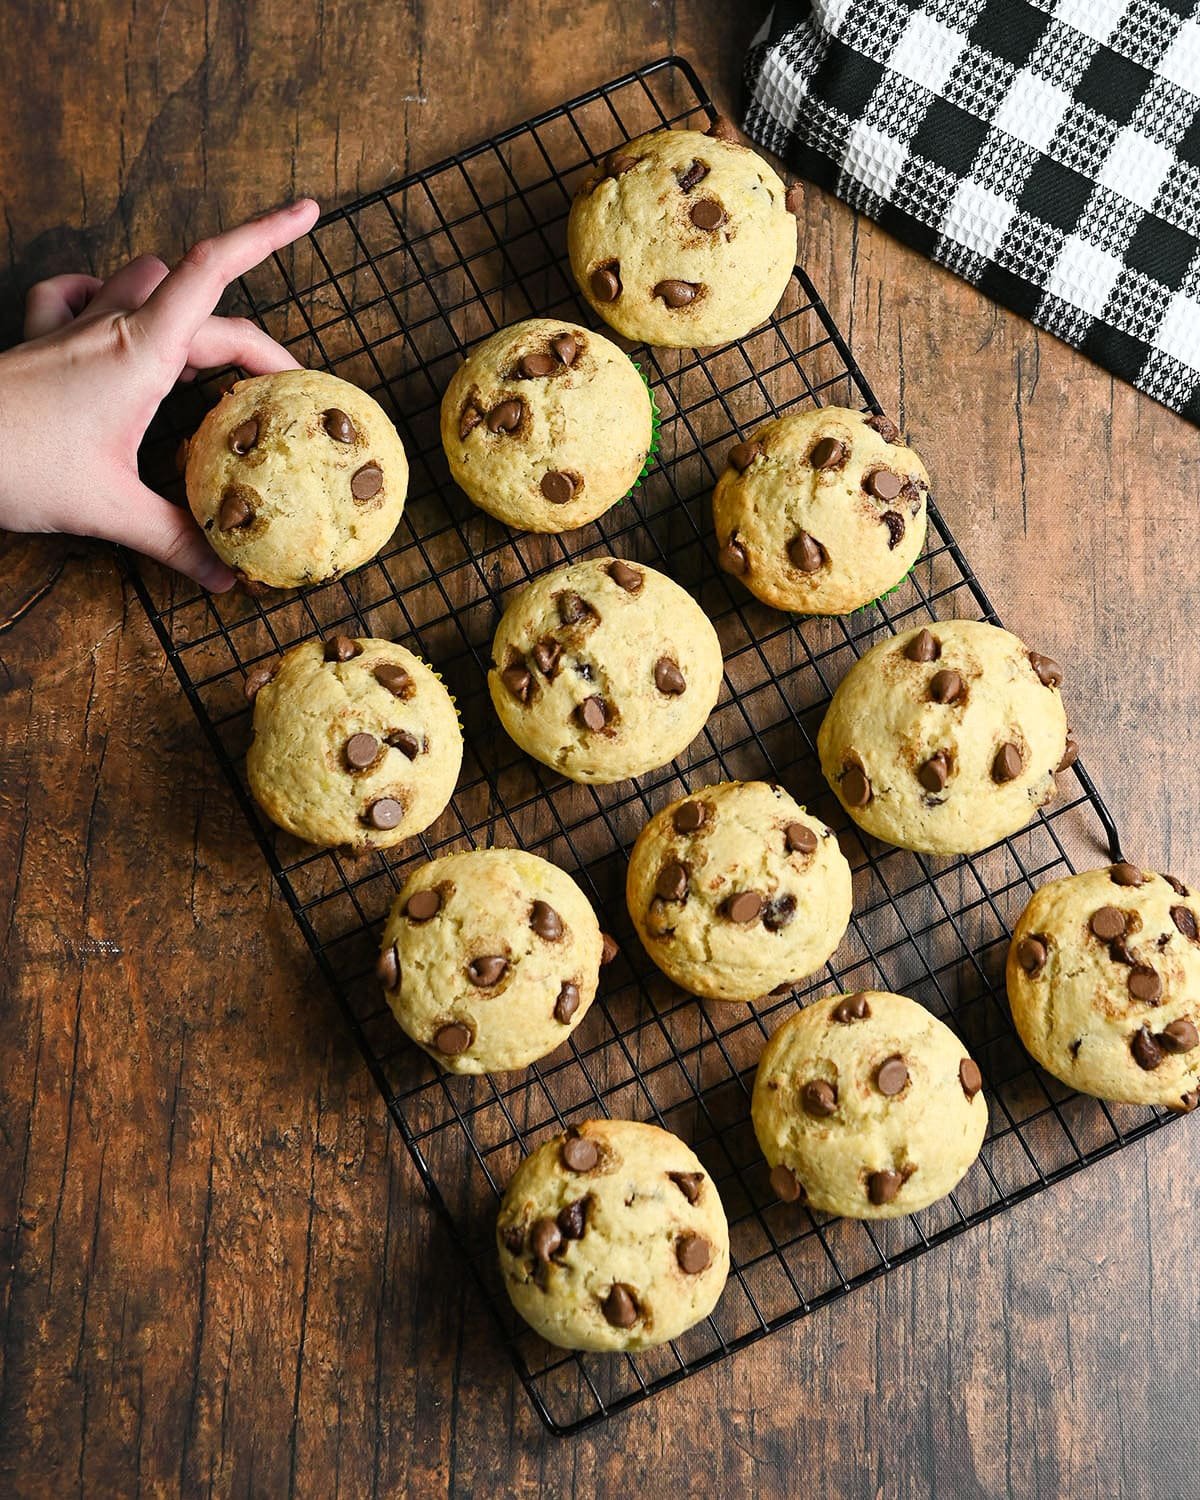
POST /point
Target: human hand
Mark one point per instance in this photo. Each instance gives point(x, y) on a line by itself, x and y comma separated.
point(76, 399)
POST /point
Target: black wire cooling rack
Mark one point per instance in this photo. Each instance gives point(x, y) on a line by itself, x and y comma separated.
point(390, 292)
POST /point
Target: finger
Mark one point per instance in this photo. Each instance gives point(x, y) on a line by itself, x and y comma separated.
point(237, 341)
point(52, 304)
point(129, 287)
point(178, 307)
point(136, 517)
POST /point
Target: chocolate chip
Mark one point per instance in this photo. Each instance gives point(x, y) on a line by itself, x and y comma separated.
point(384, 813)
point(693, 1252)
point(934, 773)
point(513, 1238)
point(505, 416)
point(1070, 754)
point(806, 553)
point(688, 1183)
point(1188, 1102)
point(785, 1184)
point(723, 129)
point(572, 1220)
point(1145, 984)
point(565, 347)
point(258, 677)
point(707, 214)
point(394, 678)
point(470, 419)
point(892, 1075)
point(924, 646)
point(235, 511)
point(519, 681)
point(883, 484)
point(606, 282)
point(819, 1098)
point(672, 882)
point(545, 921)
point(697, 172)
point(851, 1008)
point(1126, 874)
point(620, 162)
point(946, 686)
point(342, 648)
point(387, 968)
point(487, 971)
point(884, 1187)
point(1119, 952)
point(626, 577)
point(778, 913)
point(579, 1153)
point(689, 816)
point(742, 455)
point(1108, 923)
point(567, 1003)
point(422, 905)
point(828, 453)
point(620, 1307)
point(338, 425)
point(855, 786)
point(1007, 764)
point(609, 949)
point(546, 656)
point(544, 1239)
point(407, 744)
point(361, 751)
point(1050, 674)
point(668, 678)
point(1031, 954)
point(1183, 917)
point(677, 293)
point(970, 1077)
point(733, 559)
point(557, 486)
point(244, 436)
point(799, 839)
point(452, 1039)
point(894, 522)
point(592, 713)
point(536, 366)
point(1179, 1036)
point(365, 483)
point(884, 426)
point(1146, 1051)
point(572, 609)
point(1177, 885)
point(744, 907)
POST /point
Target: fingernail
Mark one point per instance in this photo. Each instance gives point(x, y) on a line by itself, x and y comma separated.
point(216, 577)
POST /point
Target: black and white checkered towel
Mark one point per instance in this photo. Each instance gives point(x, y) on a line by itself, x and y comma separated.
point(1047, 150)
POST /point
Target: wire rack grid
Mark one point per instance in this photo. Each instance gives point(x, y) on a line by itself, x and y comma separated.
point(390, 292)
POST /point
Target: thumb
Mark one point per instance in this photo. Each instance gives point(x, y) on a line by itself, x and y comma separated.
point(136, 517)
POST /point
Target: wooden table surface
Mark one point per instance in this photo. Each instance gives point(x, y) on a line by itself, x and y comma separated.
point(218, 1271)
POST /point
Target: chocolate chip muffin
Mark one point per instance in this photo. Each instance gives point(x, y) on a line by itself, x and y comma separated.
point(612, 1237)
point(946, 737)
point(821, 511)
point(682, 239)
point(356, 742)
point(604, 669)
point(736, 890)
point(1104, 984)
point(868, 1106)
point(546, 425)
point(490, 959)
point(296, 478)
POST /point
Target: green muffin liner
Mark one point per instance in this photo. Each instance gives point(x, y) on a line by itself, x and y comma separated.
point(655, 436)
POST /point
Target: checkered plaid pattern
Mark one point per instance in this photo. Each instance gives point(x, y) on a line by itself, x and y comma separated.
point(1046, 150)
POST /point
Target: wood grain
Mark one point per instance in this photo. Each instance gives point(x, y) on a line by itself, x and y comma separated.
point(218, 1275)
